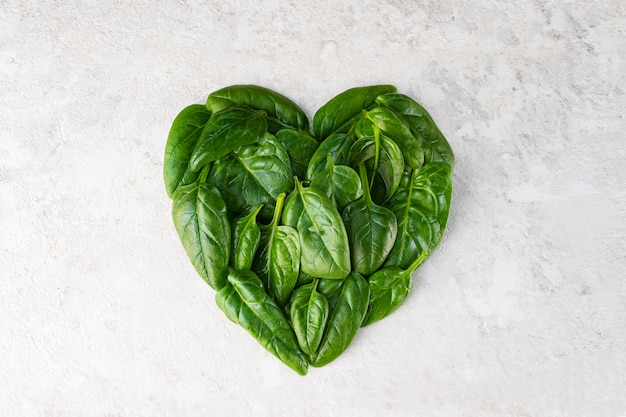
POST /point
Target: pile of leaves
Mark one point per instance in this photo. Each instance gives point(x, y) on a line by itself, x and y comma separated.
point(308, 234)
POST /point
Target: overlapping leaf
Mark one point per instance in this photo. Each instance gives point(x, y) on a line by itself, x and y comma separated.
point(303, 274)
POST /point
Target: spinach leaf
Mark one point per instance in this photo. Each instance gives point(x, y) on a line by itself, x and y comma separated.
point(245, 240)
point(201, 220)
point(300, 147)
point(281, 111)
point(226, 131)
point(372, 230)
point(382, 158)
point(253, 175)
point(345, 320)
point(304, 279)
point(337, 146)
point(278, 258)
point(421, 205)
point(345, 106)
point(435, 145)
point(330, 288)
point(246, 303)
point(323, 238)
point(395, 128)
point(340, 182)
point(181, 141)
point(309, 313)
point(389, 288)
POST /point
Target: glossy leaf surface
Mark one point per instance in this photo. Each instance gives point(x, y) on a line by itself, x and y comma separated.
point(309, 312)
point(245, 302)
point(225, 132)
point(371, 229)
point(396, 129)
point(278, 107)
point(382, 158)
point(344, 321)
point(246, 236)
point(345, 106)
point(278, 259)
point(435, 145)
point(323, 238)
point(201, 220)
point(181, 141)
point(337, 146)
point(340, 182)
point(389, 288)
point(300, 147)
point(421, 206)
point(253, 175)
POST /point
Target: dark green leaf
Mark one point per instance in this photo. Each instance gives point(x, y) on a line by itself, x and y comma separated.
point(304, 279)
point(200, 218)
point(323, 238)
point(330, 288)
point(371, 229)
point(309, 313)
point(300, 146)
point(421, 205)
point(246, 303)
point(345, 106)
point(389, 288)
point(253, 175)
point(278, 259)
point(337, 146)
point(282, 112)
point(245, 239)
point(340, 182)
point(181, 141)
point(226, 131)
point(435, 145)
point(345, 320)
point(396, 129)
point(382, 158)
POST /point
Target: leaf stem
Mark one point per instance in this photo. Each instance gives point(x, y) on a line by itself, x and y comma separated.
point(278, 210)
point(417, 262)
point(366, 188)
point(376, 152)
point(204, 173)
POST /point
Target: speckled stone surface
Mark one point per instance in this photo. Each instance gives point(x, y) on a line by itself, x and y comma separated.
point(520, 311)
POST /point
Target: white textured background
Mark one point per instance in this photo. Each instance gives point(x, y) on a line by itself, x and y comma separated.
point(521, 310)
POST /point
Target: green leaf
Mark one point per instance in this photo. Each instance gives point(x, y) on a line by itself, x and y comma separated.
point(281, 111)
point(253, 175)
point(421, 206)
point(382, 158)
point(396, 129)
point(246, 303)
point(300, 147)
point(201, 220)
point(340, 182)
point(181, 141)
point(330, 288)
point(304, 279)
point(323, 238)
point(309, 313)
point(226, 131)
point(345, 320)
point(344, 107)
point(278, 258)
point(337, 146)
point(435, 145)
point(389, 288)
point(245, 240)
point(371, 229)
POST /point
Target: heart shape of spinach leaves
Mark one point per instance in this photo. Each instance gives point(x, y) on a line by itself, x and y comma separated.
point(308, 233)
